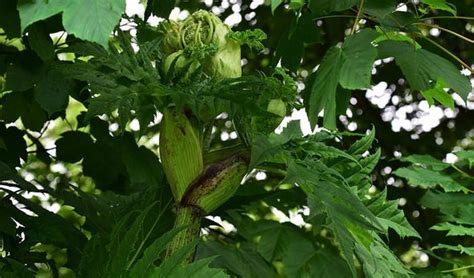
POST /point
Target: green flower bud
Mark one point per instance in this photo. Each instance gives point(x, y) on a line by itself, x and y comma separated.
point(171, 38)
point(203, 28)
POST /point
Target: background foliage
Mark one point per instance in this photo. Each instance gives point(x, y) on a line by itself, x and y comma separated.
point(83, 192)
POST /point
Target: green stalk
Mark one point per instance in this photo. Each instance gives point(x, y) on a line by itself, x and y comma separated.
point(189, 217)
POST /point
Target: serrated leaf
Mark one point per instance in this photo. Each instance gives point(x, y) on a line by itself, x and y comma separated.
point(323, 92)
point(24, 71)
point(438, 93)
point(440, 5)
point(360, 54)
point(363, 144)
point(325, 151)
point(349, 219)
point(423, 68)
point(52, 91)
point(399, 21)
point(426, 160)
point(49, 228)
point(454, 230)
point(378, 261)
point(326, 262)
point(243, 261)
point(468, 156)
point(266, 147)
point(427, 178)
point(198, 269)
point(143, 166)
point(390, 216)
point(131, 244)
point(171, 265)
point(447, 202)
point(394, 36)
point(274, 238)
point(458, 248)
point(144, 267)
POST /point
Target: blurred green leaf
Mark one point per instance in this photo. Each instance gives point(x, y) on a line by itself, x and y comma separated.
point(427, 178)
point(441, 5)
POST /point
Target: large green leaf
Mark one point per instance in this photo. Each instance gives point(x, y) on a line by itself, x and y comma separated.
point(379, 262)
point(455, 206)
point(325, 262)
point(72, 145)
point(390, 216)
point(22, 104)
point(348, 218)
point(33, 11)
point(454, 230)
point(360, 54)
point(145, 266)
point(349, 66)
point(266, 147)
point(441, 5)
point(423, 69)
point(52, 91)
point(426, 160)
point(426, 178)
point(128, 242)
point(40, 42)
point(363, 144)
point(90, 20)
point(275, 238)
point(323, 91)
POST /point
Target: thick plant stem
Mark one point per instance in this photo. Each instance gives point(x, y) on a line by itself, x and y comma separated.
point(190, 218)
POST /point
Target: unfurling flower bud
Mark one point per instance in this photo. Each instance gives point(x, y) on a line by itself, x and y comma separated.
point(203, 28)
point(171, 38)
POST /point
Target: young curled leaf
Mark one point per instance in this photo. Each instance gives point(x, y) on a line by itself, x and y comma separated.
point(252, 38)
